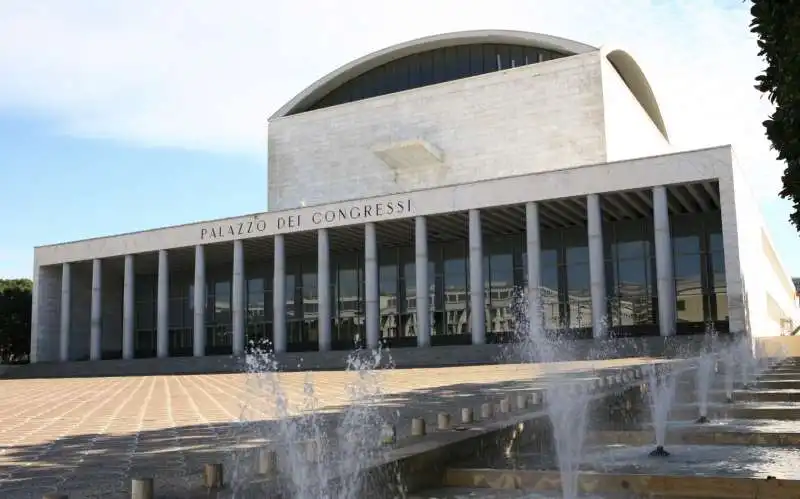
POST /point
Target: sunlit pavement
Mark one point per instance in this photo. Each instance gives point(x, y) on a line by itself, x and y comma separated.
point(75, 434)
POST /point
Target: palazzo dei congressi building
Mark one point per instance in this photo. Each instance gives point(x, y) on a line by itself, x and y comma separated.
point(413, 193)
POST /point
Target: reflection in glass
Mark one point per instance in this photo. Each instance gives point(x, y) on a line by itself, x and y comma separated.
point(388, 289)
point(456, 296)
point(350, 319)
point(500, 287)
point(578, 297)
point(699, 267)
point(549, 291)
point(310, 295)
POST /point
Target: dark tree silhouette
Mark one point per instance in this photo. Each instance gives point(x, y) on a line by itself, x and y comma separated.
point(777, 24)
point(15, 319)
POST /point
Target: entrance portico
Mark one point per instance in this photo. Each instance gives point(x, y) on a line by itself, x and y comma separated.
point(435, 267)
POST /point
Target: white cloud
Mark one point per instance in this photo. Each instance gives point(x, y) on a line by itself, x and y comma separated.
point(206, 75)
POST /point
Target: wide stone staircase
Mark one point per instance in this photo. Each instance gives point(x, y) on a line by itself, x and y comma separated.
point(749, 449)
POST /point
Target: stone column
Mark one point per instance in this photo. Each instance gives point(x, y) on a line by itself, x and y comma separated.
point(534, 252)
point(199, 302)
point(664, 273)
point(128, 307)
point(279, 296)
point(66, 309)
point(96, 317)
point(597, 268)
point(162, 306)
point(476, 291)
point(324, 290)
point(371, 285)
point(423, 287)
point(237, 296)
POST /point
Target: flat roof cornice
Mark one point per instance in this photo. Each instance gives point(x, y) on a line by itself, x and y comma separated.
point(675, 168)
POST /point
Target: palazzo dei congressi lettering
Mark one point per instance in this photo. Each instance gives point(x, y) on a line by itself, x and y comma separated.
point(413, 194)
point(362, 211)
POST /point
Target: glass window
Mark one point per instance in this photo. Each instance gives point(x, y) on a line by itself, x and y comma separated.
point(718, 268)
point(434, 66)
point(222, 302)
point(349, 315)
point(688, 274)
point(388, 281)
point(456, 297)
point(632, 277)
point(686, 244)
point(256, 306)
point(715, 242)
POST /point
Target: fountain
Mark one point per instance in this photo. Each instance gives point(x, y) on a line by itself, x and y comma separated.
point(704, 372)
point(660, 392)
point(314, 450)
point(566, 404)
point(730, 373)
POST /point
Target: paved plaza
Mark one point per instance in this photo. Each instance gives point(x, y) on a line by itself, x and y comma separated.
point(87, 437)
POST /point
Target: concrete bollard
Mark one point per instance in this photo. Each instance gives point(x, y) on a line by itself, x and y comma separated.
point(267, 461)
point(535, 398)
point(443, 421)
point(142, 488)
point(388, 434)
point(466, 415)
point(212, 476)
point(417, 427)
point(505, 405)
point(487, 411)
point(522, 401)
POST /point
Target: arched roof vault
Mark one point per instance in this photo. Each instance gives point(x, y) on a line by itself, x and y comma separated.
point(623, 62)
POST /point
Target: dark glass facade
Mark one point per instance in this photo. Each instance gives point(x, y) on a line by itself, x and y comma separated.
point(699, 262)
point(431, 67)
point(631, 291)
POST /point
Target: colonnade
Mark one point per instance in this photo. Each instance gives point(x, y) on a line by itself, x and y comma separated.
point(664, 271)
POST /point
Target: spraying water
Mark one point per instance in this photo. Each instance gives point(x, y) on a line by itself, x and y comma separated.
point(566, 404)
point(730, 373)
point(320, 455)
point(660, 392)
point(704, 375)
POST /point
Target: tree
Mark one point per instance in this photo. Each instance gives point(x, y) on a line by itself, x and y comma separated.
point(777, 24)
point(15, 319)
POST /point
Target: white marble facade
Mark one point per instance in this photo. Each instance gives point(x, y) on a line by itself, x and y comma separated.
point(583, 125)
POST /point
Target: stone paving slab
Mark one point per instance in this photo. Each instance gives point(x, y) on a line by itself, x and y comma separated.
point(89, 436)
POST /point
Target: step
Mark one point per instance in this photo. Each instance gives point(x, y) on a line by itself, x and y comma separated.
point(756, 395)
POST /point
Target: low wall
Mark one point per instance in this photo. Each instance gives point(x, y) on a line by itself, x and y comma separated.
point(411, 357)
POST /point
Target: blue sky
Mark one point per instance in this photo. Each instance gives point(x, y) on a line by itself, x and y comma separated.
point(129, 115)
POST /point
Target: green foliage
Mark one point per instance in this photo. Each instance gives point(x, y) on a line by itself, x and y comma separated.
point(15, 319)
point(777, 24)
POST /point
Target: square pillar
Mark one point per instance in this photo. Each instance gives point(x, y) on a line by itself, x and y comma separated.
point(237, 297)
point(534, 255)
point(66, 304)
point(199, 303)
point(279, 296)
point(324, 290)
point(597, 267)
point(96, 321)
point(476, 290)
point(371, 285)
point(665, 282)
point(162, 306)
point(128, 307)
point(423, 287)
